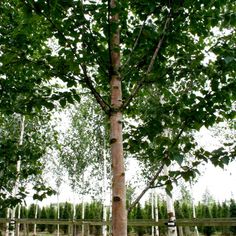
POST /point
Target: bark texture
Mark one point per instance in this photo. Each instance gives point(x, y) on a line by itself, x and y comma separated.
point(119, 215)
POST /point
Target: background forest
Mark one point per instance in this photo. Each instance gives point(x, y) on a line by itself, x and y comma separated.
point(93, 210)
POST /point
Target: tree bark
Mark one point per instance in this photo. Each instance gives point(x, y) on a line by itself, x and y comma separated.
point(104, 209)
point(172, 230)
point(119, 215)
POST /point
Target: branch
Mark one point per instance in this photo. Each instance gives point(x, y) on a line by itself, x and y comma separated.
point(146, 188)
point(87, 79)
point(109, 38)
point(150, 67)
point(135, 44)
point(105, 106)
point(150, 184)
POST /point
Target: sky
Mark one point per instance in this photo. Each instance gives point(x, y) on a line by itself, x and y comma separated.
point(220, 183)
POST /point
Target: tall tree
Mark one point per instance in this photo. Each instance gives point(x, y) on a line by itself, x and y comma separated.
point(156, 49)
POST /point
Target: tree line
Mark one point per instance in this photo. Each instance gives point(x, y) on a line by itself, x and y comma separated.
point(93, 211)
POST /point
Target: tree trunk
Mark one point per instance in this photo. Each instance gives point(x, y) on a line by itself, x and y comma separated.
point(172, 230)
point(7, 224)
point(17, 183)
point(58, 211)
point(156, 213)
point(119, 215)
point(104, 210)
point(83, 233)
point(153, 212)
point(36, 217)
point(196, 233)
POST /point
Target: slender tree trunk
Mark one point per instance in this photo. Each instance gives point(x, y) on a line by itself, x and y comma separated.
point(35, 217)
point(17, 183)
point(58, 212)
point(74, 215)
point(172, 230)
point(104, 210)
point(83, 210)
point(153, 211)
point(18, 216)
point(196, 233)
point(7, 224)
point(156, 213)
point(119, 215)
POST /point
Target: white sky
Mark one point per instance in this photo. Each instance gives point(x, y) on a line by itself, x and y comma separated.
point(220, 183)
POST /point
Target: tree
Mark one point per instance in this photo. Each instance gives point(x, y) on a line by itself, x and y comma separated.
point(43, 215)
point(30, 153)
point(208, 230)
point(232, 210)
point(156, 49)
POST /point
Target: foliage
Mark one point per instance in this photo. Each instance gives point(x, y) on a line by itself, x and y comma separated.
point(232, 211)
point(81, 148)
point(36, 140)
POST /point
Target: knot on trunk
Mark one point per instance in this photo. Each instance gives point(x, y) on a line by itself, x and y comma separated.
point(116, 199)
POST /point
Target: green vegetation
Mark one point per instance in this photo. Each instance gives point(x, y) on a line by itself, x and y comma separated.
point(93, 211)
point(167, 66)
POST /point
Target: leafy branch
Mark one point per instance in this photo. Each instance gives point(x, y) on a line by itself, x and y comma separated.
point(146, 189)
point(87, 79)
point(150, 67)
point(104, 105)
point(152, 181)
point(135, 44)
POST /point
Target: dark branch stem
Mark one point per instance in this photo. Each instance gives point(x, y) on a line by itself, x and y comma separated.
point(152, 181)
point(146, 188)
point(109, 38)
point(150, 67)
point(135, 44)
point(105, 106)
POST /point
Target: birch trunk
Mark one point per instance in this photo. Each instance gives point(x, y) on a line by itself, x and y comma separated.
point(58, 212)
point(104, 211)
point(83, 214)
point(83, 208)
point(172, 230)
point(196, 233)
point(74, 215)
point(7, 224)
point(153, 211)
point(18, 216)
point(119, 215)
point(156, 213)
point(13, 229)
point(35, 217)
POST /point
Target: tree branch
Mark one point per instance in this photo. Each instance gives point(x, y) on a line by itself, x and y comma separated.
point(135, 44)
point(105, 106)
point(150, 67)
point(146, 188)
point(150, 184)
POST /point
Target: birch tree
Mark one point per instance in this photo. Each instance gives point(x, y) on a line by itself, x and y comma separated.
point(124, 52)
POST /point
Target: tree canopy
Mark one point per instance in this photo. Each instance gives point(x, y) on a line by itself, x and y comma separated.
point(175, 61)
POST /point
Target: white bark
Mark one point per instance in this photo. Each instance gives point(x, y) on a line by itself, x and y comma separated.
point(58, 212)
point(83, 209)
point(104, 211)
point(196, 233)
point(7, 224)
point(12, 231)
point(152, 210)
point(172, 230)
point(35, 217)
point(156, 213)
point(18, 225)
